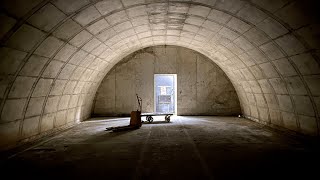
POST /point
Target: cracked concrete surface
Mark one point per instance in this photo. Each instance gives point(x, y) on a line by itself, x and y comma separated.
point(59, 51)
point(198, 147)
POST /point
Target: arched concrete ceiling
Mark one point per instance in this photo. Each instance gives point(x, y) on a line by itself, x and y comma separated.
point(55, 53)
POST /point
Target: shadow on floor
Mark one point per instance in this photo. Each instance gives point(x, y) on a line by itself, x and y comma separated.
point(212, 148)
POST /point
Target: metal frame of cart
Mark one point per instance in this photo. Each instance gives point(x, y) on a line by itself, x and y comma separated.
point(149, 117)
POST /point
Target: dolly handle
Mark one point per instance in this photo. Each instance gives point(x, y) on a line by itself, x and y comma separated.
point(139, 102)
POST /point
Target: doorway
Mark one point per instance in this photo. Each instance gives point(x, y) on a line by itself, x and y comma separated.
point(165, 93)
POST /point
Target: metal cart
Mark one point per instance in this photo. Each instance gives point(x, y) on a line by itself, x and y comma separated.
point(149, 117)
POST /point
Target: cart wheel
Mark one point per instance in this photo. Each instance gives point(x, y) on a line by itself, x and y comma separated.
point(150, 119)
point(167, 118)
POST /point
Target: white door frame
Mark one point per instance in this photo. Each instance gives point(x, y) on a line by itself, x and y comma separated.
point(175, 90)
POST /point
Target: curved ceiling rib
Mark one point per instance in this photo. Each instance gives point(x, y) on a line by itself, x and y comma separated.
point(55, 53)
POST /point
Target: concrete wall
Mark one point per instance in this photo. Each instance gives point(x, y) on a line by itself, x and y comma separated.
point(202, 87)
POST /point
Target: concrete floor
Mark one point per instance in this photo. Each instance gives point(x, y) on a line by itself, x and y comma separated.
point(185, 148)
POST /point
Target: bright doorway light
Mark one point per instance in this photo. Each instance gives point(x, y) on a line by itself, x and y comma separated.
point(165, 93)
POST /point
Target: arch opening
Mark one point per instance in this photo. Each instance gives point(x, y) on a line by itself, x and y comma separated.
point(202, 87)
